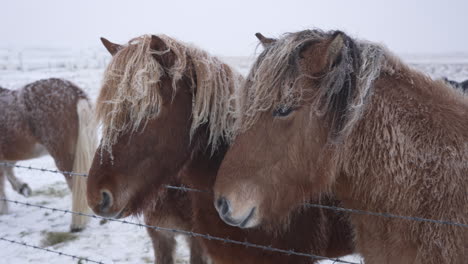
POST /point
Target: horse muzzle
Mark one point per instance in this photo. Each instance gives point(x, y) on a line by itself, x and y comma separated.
point(106, 207)
point(245, 220)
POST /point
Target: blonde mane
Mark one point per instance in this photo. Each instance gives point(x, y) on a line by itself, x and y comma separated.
point(130, 94)
point(275, 78)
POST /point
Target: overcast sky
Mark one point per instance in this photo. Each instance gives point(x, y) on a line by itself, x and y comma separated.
point(228, 27)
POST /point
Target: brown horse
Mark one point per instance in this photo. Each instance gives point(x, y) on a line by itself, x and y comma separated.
point(125, 175)
point(50, 116)
point(166, 108)
point(323, 111)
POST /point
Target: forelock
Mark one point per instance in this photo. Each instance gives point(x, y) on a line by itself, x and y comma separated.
point(130, 95)
point(275, 80)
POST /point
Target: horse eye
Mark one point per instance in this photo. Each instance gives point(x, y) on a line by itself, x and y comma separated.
point(282, 111)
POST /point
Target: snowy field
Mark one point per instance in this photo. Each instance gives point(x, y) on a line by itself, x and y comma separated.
point(111, 242)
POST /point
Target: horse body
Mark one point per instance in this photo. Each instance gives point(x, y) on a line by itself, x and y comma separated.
point(49, 116)
point(174, 132)
point(18, 141)
point(331, 113)
point(412, 139)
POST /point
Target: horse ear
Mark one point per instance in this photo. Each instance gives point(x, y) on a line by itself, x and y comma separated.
point(111, 47)
point(264, 40)
point(164, 55)
point(334, 49)
point(318, 57)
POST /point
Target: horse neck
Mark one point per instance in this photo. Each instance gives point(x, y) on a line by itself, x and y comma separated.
point(201, 169)
point(408, 118)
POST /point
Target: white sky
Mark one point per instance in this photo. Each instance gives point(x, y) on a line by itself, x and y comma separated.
point(228, 27)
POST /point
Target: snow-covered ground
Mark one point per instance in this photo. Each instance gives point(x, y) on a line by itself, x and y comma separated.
point(111, 242)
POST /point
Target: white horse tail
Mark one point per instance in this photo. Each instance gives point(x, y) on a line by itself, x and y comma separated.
point(86, 145)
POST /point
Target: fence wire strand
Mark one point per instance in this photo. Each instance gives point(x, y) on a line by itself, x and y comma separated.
point(70, 173)
point(335, 208)
point(50, 250)
point(185, 232)
point(355, 211)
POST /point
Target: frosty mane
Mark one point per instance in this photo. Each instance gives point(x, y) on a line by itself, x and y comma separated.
point(130, 95)
point(275, 79)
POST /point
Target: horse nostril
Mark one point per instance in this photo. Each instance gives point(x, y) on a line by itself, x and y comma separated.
point(222, 205)
point(106, 201)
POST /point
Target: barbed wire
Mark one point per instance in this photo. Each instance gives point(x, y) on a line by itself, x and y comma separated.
point(388, 215)
point(185, 189)
point(184, 232)
point(347, 210)
point(13, 165)
point(335, 208)
point(50, 250)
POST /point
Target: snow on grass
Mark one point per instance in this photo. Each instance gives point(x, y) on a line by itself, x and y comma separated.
point(30, 225)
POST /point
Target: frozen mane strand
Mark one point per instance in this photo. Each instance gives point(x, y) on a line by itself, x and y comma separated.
point(130, 93)
point(275, 80)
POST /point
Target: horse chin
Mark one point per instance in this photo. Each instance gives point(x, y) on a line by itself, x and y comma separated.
point(243, 213)
point(123, 213)
point(249, 220)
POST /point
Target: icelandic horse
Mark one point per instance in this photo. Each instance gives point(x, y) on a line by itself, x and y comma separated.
point(320, 112)
point(49, 116)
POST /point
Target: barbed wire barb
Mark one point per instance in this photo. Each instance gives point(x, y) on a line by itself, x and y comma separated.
point(387, 215)
point(50, 250)
point(70, 173)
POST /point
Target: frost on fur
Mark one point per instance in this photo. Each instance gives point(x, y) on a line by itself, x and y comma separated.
point(130, 93)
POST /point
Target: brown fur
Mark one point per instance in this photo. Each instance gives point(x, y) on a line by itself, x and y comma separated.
point(43, 118)
point(384, 137)
point(171, 211)
point(174, 147)
point(140, 190)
